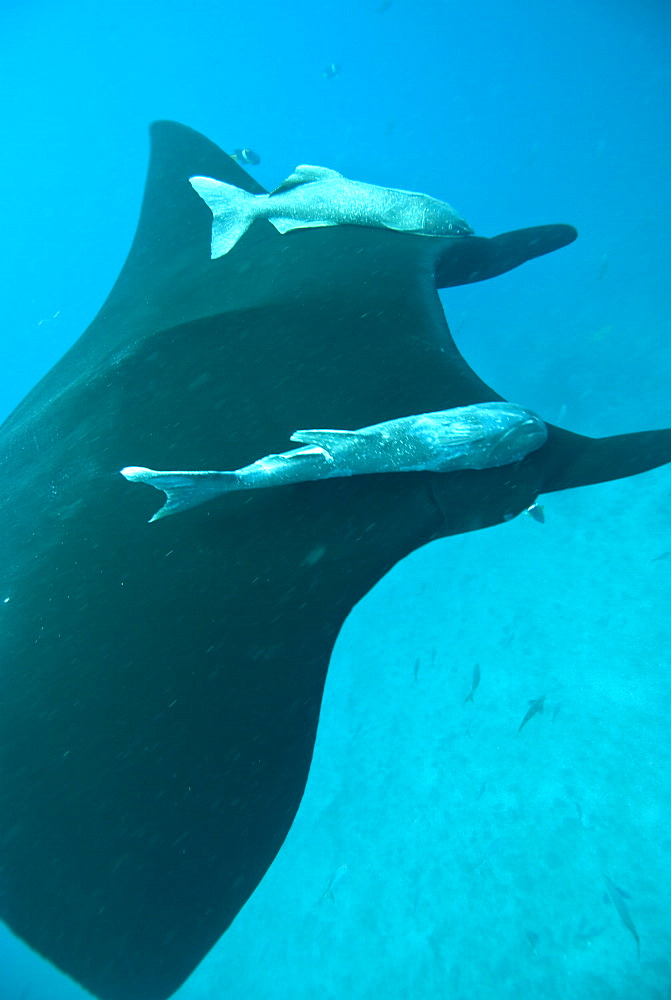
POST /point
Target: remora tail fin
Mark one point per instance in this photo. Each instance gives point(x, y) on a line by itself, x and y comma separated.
point(233, 212)
point(182, 489)
point(599, 460)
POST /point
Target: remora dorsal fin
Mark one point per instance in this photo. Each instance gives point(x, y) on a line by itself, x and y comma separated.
point(305, 174)
point(326, 439)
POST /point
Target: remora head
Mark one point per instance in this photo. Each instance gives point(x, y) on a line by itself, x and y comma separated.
point(509, 434)
point(440, 219)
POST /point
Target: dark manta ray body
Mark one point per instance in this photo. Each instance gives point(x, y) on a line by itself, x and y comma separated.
point(161, 684)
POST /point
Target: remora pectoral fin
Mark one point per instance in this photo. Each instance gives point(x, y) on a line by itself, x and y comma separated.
point(291, 456)
point(587, 460)
point(284, 225)
point(326, 439)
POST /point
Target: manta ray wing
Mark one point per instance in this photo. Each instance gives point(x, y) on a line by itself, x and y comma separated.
point(161, 683)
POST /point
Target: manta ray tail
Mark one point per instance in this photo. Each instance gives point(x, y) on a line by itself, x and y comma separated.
point(182, 489)
point(233, 212)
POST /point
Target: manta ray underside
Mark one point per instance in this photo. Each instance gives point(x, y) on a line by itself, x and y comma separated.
point(161, 683)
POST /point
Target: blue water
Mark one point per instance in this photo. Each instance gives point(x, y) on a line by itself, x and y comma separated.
point(474, 856)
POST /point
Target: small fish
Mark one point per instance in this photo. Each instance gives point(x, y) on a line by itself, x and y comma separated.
point(336, 879)
point(246, 156)
point(474, 683)
point(534, 708)
point(536, 511)
point(621, 907)
point(622, 892)
point(662, 555)
point(532, 938)
point(603, 266)
point(587, 932)
point(416, 670)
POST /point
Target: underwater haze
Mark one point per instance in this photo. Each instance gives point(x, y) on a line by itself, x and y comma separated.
point(440, 849)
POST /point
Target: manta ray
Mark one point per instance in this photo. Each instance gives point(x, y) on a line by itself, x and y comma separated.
point(161, 683)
